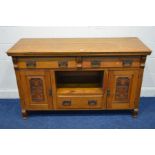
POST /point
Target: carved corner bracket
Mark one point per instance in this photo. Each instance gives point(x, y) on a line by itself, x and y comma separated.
point(142, 61)
point(15, 61)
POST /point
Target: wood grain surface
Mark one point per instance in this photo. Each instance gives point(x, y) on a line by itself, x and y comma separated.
point(82, 46)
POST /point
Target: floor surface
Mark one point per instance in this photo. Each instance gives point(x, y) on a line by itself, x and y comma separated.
point(10, 118)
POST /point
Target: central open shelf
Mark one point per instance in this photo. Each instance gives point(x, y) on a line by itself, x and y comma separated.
point(79, 82)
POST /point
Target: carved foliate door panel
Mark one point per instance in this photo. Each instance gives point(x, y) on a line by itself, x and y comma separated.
point(122, 88)
point(37, 89)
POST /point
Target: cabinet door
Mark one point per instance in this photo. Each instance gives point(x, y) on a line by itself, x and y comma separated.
point(37, 89)
point(122, 89)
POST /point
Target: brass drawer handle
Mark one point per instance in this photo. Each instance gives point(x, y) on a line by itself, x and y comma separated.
point(79, 62)
point(50, 92)
point(92, 102)
point(127, 63)
point(31, 63)
point(66, 103)
point(95, 63)
point(79, 66)
point(63, 64)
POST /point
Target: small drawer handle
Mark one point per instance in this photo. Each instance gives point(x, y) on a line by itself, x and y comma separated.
point(66, 103)
point(79, 62)
point(50, 92)
point(95, 63)
point(79, 66)
point(63, 64)
point(31, 63)
point(127, 63)
point(92, 102)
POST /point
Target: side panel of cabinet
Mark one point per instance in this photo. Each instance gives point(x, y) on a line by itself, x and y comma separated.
point(122, 89)
point(36, 86)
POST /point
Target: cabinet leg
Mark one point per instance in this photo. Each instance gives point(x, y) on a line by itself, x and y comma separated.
point(24, 114)
point(135, 113)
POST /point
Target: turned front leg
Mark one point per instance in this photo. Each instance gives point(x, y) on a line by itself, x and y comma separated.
point(24, 114)
point(135, 113)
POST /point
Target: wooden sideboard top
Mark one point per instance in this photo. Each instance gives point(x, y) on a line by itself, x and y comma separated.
point(78, 46)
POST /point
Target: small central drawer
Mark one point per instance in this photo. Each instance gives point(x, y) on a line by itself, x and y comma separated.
point(54, 62)
point(80, 102)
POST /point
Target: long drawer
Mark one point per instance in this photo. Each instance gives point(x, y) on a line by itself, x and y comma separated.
point(80, 102)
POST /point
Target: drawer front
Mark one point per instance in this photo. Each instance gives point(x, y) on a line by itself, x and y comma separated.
point(80, 102)
point(56, 63)
point(99, 62)
point(78, 62)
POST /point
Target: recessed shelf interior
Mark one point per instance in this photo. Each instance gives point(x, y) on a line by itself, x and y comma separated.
point(79, 82)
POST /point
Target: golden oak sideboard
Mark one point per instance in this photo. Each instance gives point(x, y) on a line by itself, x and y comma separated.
point(79, 73)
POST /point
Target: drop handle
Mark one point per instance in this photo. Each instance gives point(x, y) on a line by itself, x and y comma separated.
point(66, 103)
point(95, 63)
point(108, 92)
point(50, 92)
point(92, 102)
point(79, 63)
point(127, 63)
point(30, 63)
point(63, 64)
